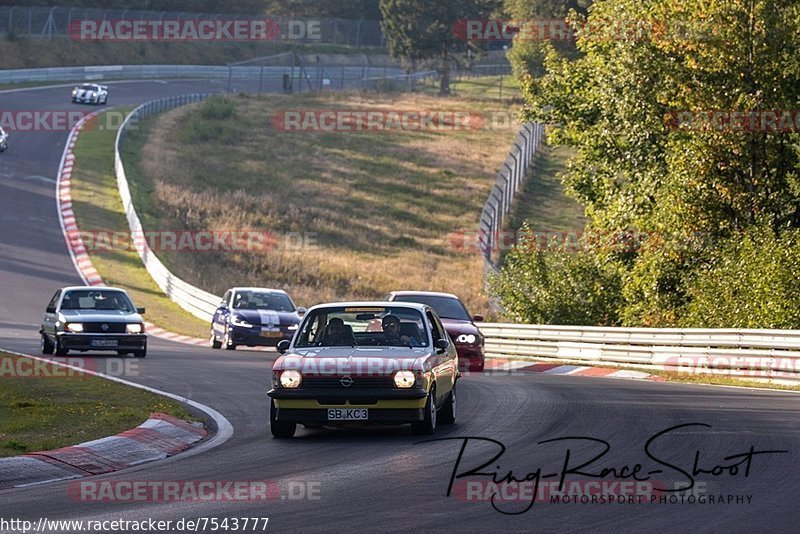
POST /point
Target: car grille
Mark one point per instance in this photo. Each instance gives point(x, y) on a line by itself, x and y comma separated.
point(97, 328)
point(359, 382)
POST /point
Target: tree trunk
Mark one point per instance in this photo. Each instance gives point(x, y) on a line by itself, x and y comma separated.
point(444, 84)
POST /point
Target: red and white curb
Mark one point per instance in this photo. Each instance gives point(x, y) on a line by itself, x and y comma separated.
point(155, 439)
point(503, 364)
point(154, 330)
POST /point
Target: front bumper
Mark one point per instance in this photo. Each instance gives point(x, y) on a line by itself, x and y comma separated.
point(470, 357)
point(364, 397)
point(252, 337)
point(385, 411)
point(86, 342)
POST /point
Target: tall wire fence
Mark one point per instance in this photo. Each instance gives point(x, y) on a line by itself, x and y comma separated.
point(54, 22)
point(507, 185)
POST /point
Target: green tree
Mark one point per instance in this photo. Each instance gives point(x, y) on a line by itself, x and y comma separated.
point(419, 30)
point(632, 105)
point(750, 282)
point(556, 286)
point(527, 55)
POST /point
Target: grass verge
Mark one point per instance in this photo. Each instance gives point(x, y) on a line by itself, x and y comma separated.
point(377, 210)
point(43, 407)
point(98, 207)
point(542, 201)
point(716, 380)
point(701, 379)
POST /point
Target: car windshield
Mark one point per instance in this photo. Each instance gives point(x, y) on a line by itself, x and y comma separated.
point(262, 300)
point(94, 299)
point(88, 87)
point(446, 307)
point(363, 326)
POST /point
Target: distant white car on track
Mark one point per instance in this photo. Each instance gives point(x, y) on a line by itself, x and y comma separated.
point(90, 93)
point(3, 140)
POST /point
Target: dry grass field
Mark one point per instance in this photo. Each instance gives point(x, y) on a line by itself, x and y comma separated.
point(377, 209)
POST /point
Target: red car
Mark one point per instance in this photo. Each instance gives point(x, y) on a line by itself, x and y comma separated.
point(456, 320)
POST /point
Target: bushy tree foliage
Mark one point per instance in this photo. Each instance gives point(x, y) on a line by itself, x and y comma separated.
point(423, 30)
point(635, 104)
point(556, 286)
point(751, 282)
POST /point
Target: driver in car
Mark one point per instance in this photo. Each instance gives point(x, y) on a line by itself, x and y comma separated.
point(391, 332)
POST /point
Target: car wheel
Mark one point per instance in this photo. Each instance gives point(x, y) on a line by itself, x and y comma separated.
point(215, 343)
point(448, 411)
point(58, 349)
point(280, 429)
point(428, 425)
point(227, 342)
point(47, 345)
point(140, 353)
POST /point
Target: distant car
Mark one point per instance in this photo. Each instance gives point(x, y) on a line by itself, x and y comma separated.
point(254, 316)
point(85, 318)
point(337, 371)
point(3, 140)
point(457, 321)
point(90, 93)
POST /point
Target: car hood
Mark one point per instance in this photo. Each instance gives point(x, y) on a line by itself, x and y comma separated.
point(456, 327)
point(267, 317)
point(82, 92)
point(106, 316)
point(353, 360)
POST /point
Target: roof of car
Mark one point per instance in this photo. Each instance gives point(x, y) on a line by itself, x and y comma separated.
point(265, 289)
point(372, 304)
point(104, 288)
point(425, 293)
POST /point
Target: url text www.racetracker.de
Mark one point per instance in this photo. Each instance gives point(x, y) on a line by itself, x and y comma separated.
point(200, 524)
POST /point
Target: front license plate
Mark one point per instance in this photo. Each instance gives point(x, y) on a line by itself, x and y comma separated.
point(103, 343)
point(271, 333)
point(348, 414)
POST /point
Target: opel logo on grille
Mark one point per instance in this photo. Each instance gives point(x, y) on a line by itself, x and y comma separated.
point(104, 327)
point(346, 381)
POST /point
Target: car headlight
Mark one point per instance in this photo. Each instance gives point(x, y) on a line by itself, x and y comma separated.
point(134, 328)
point(404, 379)
point(291, 379)
point(238, 321)
point(292, 327)
point(74, 327)
point(466, 338)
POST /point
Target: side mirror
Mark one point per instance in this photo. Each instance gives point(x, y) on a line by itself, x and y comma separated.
point(441, 345)
point(283, 346)
point(301, 310)
point(477, 318)
point(50, 309)
point(140, 310)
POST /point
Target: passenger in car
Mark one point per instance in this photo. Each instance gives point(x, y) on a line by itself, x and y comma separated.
point(338, 334)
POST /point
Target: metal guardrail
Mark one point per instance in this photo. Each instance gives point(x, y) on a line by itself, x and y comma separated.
point(127, 72)
point(743, 353)
point(199, 303)
point(508, 183)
